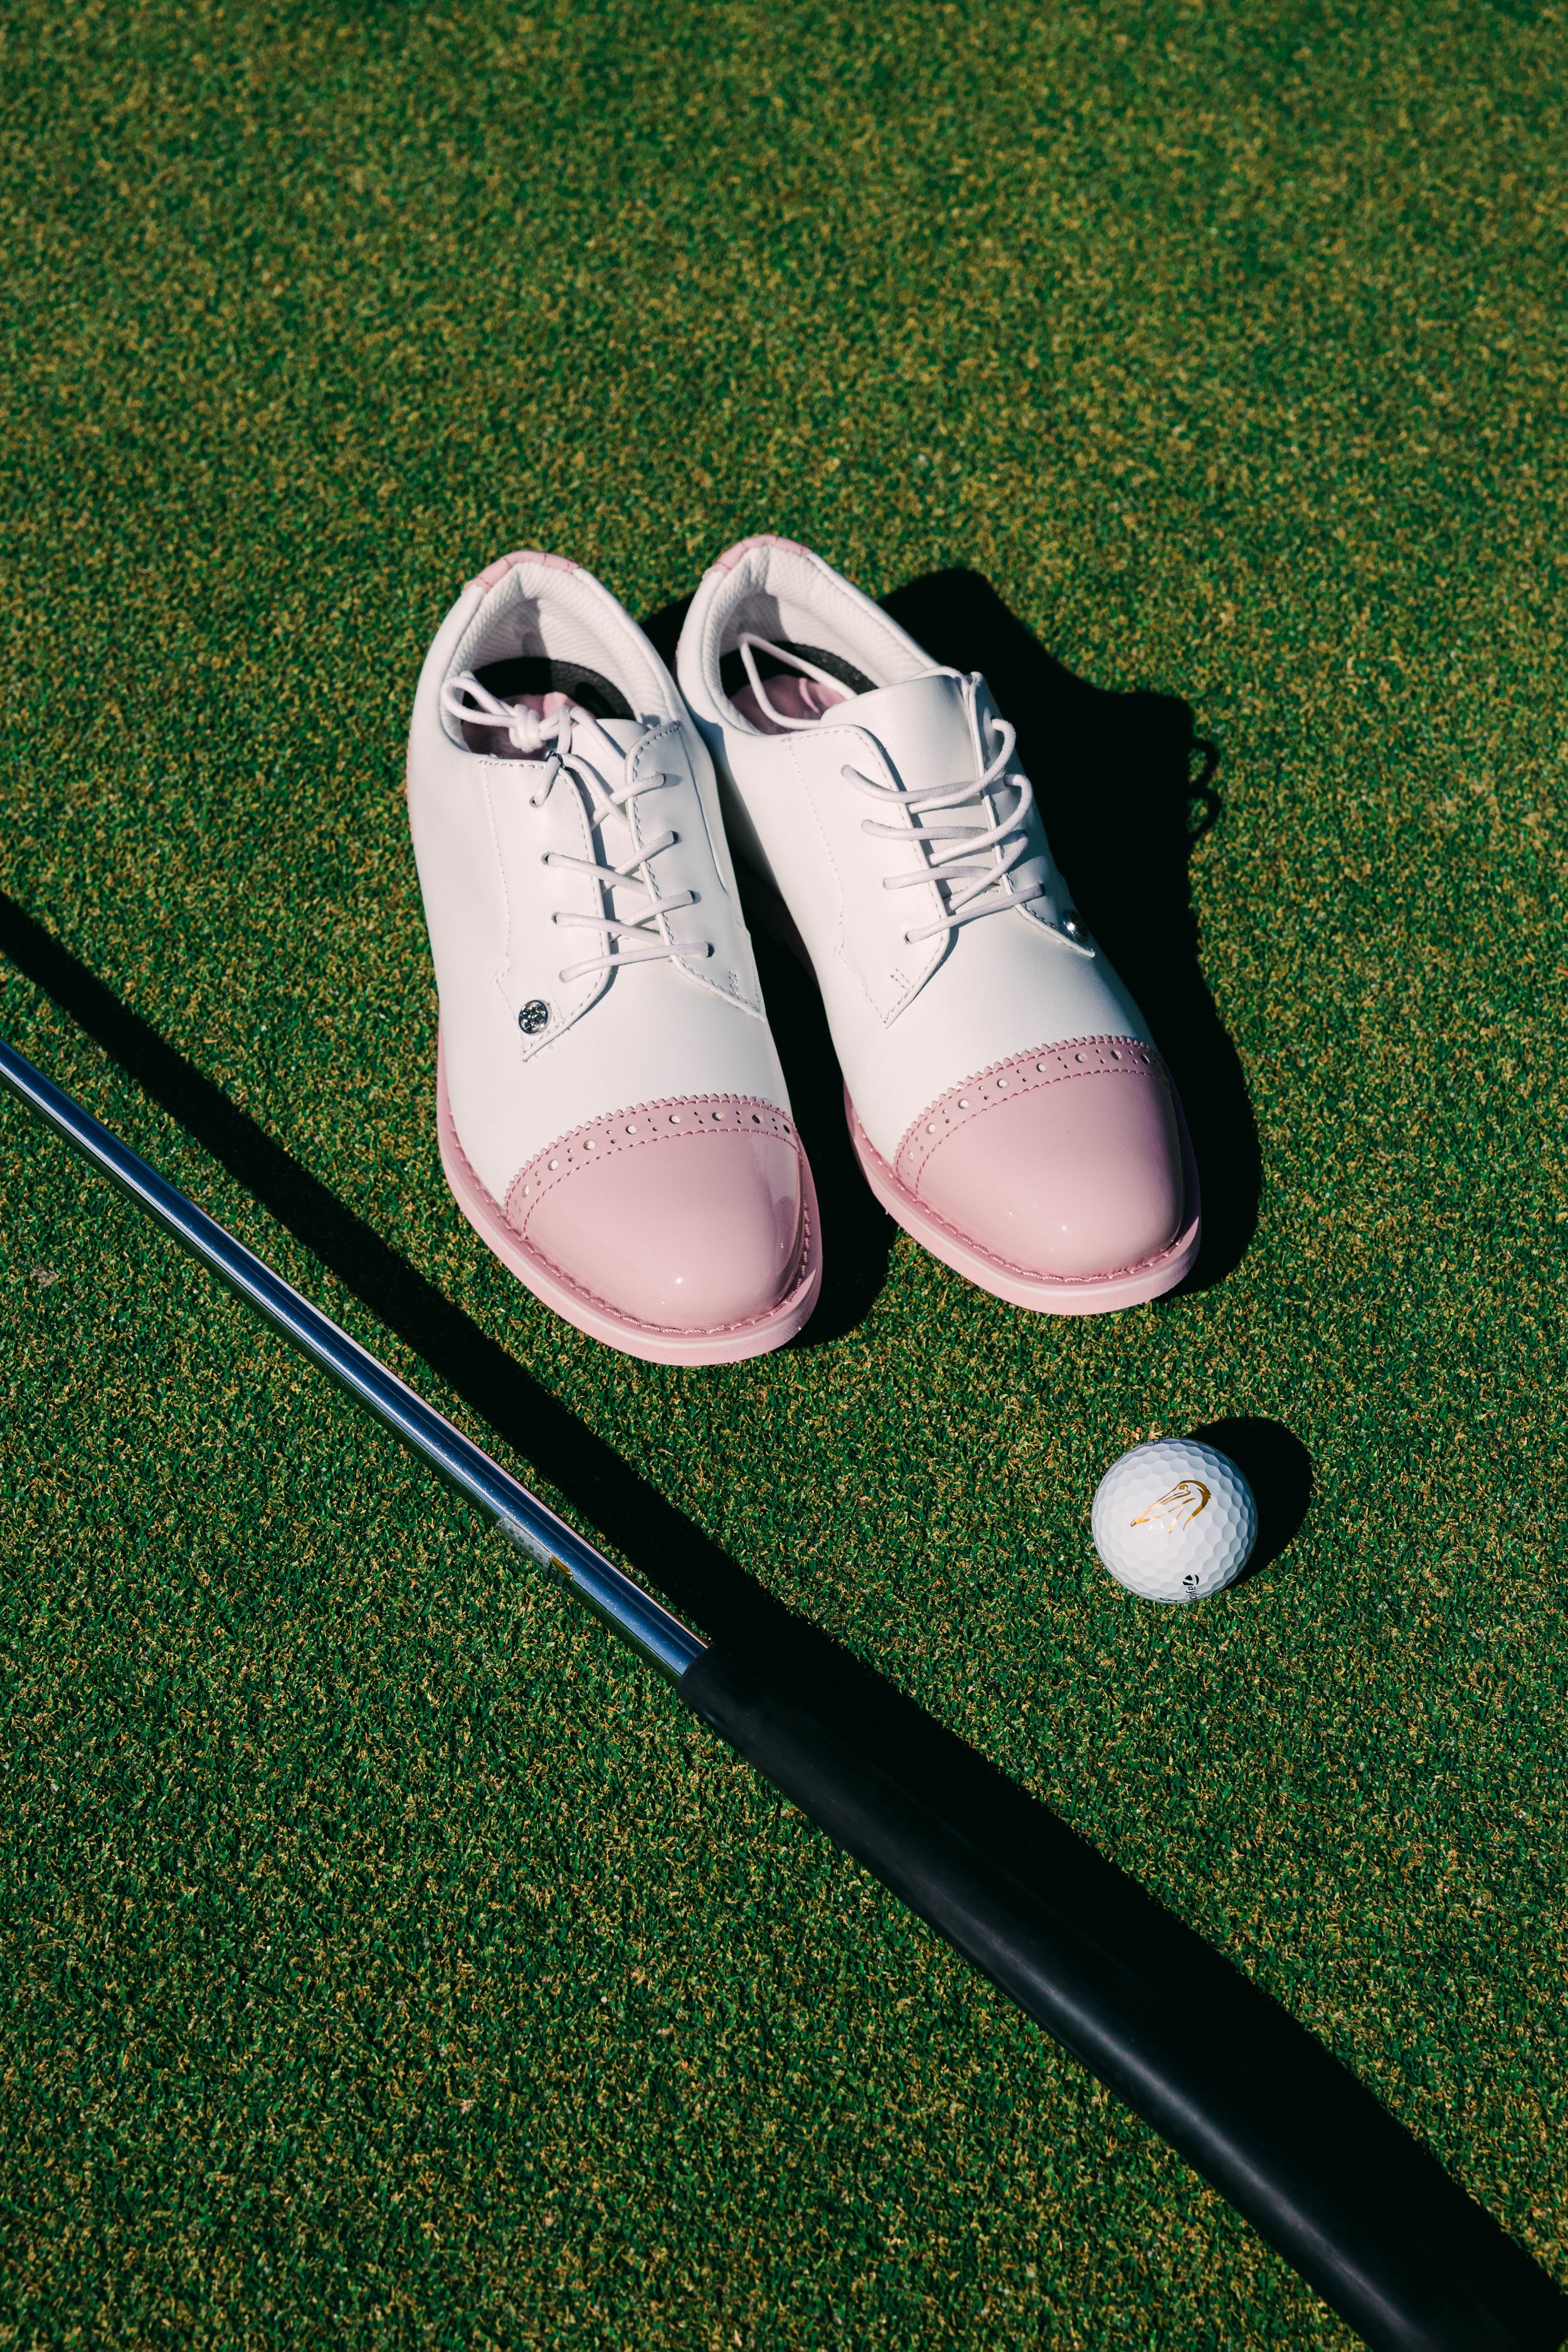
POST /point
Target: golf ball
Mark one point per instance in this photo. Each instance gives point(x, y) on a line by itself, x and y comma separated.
point(1175, 1520)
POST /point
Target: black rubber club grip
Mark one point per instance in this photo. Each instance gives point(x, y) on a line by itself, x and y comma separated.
point(1316, 2164)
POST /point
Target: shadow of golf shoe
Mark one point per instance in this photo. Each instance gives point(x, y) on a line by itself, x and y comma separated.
point(855, 1267)
point(1127, 789)
point(1278, 1469)
point(684, 1220)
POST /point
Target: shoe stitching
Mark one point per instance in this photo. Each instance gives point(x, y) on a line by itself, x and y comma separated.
point(597, 1140)
point(951, 1110)
point(1006, 1265)
point(802, 1272)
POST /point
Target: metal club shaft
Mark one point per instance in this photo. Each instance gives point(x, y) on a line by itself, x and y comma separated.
point(657, 1636)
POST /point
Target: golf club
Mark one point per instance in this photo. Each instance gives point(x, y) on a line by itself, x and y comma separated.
point(1329, 2178)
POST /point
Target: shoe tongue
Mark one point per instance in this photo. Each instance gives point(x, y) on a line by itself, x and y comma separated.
point(922, 726)
point(625, 734)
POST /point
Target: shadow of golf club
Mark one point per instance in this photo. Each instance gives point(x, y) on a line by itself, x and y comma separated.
point(1002, 1820)
point(629, 1513)
point(650, 1531)
point(632, 1515)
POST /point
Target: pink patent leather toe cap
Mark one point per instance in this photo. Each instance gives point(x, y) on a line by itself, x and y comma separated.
point(1065, 1162)
point(685, 1216)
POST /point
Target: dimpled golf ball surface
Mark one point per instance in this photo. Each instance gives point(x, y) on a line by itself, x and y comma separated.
point(1175, 1520)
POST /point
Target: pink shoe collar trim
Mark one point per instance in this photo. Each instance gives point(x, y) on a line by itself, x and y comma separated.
point(732, 555)
point(504, 563)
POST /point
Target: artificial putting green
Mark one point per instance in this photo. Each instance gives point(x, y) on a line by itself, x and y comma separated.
point(386, 1962)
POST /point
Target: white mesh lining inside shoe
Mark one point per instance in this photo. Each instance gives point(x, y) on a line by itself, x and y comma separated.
point(567, 616)
point(790, 597)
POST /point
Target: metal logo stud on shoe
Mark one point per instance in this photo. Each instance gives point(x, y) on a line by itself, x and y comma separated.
point(534, 1016)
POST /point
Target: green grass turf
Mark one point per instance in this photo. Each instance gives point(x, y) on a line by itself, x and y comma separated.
point(387, 1961)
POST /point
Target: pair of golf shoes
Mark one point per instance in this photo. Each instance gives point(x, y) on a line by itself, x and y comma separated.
point(613, 1115)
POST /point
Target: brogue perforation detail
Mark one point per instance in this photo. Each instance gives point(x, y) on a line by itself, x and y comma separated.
point(1021, 1074)
point(690, 1118)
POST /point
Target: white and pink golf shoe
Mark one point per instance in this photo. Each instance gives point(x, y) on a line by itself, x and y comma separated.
point(613, 1117)
point(1005, 1100)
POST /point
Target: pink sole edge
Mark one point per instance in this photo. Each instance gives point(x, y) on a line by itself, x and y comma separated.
point(731, 1345)
point(1043, 1294)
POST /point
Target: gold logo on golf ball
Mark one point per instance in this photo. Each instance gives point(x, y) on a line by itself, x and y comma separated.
point(1177, 1509)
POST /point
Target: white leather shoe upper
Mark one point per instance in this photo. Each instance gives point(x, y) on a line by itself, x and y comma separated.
point(614, 1118)
point(917, 999)
point(532, 1053)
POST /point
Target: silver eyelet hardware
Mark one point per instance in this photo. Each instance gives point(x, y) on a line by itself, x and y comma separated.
point(534, 1016)
point(1074, 928)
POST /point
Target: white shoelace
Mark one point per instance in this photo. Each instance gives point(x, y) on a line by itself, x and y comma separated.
point(534, 736)
point(749, 648)
point(999, 845)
